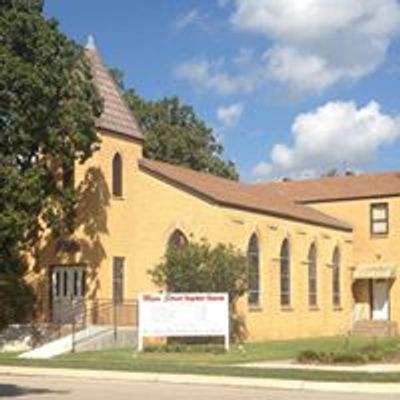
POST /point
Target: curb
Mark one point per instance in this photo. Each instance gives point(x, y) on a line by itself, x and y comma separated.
point(103, 375)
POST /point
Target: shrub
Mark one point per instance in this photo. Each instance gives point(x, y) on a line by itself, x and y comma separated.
point(349, 357)
point(342, 357)
point(184, 348)
point(373, 352)
point(311, 356)
point(200, 267)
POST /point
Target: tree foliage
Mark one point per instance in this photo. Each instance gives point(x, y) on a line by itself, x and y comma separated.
point(200, 267)
point(337, 172)
point(16, 300)
point(174, 133)
point(47, 109)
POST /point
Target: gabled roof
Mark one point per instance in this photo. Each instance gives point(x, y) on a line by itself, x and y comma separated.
point(116, 116)
point(238, 195)
point(337, 188)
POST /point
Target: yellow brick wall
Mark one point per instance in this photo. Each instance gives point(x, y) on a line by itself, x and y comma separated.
point(138, 226)
point(368, 248)
point(271, 321)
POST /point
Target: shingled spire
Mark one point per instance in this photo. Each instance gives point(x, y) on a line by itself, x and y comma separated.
point(90, 45)
point(116, 116)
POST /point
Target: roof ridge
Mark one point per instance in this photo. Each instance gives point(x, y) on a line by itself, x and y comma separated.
point(191, 170)
point(366, 185)
point(236, 194)
point(328, 178)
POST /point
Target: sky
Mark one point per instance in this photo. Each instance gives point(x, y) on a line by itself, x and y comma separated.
point(291, 88)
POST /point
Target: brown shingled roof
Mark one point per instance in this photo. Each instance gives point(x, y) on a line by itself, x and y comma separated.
point(237, 195)
point(334, 188)
point(116, 116)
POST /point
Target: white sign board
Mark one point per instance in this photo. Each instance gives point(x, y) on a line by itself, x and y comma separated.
point(183, 314)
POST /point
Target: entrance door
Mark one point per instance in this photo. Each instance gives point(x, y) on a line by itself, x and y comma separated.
point(68, 291)
point(380, 300)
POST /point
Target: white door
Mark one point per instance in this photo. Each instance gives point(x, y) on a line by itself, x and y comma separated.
point(68, 291)
point(380, 301)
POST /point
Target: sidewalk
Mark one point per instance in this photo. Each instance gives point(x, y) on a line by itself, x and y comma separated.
point(338, 387)
point(292, 365)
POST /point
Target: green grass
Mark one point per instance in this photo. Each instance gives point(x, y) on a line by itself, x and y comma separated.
point(207, 363)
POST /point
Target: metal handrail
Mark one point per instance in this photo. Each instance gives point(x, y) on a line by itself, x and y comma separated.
point(77, 315)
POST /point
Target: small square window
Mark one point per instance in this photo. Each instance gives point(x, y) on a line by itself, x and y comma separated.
point(379, 219)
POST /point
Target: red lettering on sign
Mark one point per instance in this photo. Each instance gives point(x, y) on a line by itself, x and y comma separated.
point(215, 298)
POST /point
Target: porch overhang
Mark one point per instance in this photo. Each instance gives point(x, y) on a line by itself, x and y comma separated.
point(375, 271)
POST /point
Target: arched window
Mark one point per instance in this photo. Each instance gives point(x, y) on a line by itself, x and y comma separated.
point(285, 273)
point(336, 296)
point(177, 240)
point(254, 271)
point(312, 276)
point(117, 189)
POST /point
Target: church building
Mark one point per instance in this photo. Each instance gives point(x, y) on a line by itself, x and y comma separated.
point(323, 252)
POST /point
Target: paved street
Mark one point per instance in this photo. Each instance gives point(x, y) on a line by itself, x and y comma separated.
point(37, 388)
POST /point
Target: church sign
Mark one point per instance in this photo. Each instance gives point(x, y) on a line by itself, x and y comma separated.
point(183, 314)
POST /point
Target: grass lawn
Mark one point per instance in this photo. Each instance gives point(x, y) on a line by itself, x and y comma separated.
point(220, 364)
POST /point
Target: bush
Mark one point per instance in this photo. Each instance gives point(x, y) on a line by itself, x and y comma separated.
point(311, 356)
point(342, 357)
point(376, 356)
point(200, 267)
point(184, 348)
point(349, 358)
point(373, 352)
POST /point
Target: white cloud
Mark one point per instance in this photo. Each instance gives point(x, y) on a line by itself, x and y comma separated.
point(230, 115)
point(335, 134)
point(188, 18)
point(209, 75)
point(318, 43)
point(310, 72)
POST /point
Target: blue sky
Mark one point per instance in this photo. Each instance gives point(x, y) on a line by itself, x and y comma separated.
point(292, 89)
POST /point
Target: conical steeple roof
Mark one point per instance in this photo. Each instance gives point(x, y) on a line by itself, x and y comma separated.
point(116, 116)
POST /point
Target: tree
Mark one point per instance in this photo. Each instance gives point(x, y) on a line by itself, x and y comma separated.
point(16, 300)
point(336, 172)
point(48, 106)
point(174, 133)
point(199, 267)
point(330, 173)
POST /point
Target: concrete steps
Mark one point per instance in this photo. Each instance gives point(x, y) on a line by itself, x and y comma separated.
point(375, 328)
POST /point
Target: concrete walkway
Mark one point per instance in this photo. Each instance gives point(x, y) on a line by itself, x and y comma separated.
point(293, 365)
point(115, 376)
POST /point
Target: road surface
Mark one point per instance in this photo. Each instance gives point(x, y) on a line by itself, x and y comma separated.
point(37, 388)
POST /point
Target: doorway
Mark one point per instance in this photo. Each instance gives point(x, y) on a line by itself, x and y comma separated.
point(380, 300)
point(68, 294)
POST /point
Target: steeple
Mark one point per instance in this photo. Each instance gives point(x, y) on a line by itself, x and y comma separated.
point(116, 116)
point(90, 45)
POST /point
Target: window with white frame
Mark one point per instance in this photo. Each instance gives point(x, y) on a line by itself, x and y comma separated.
point(379, 219)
